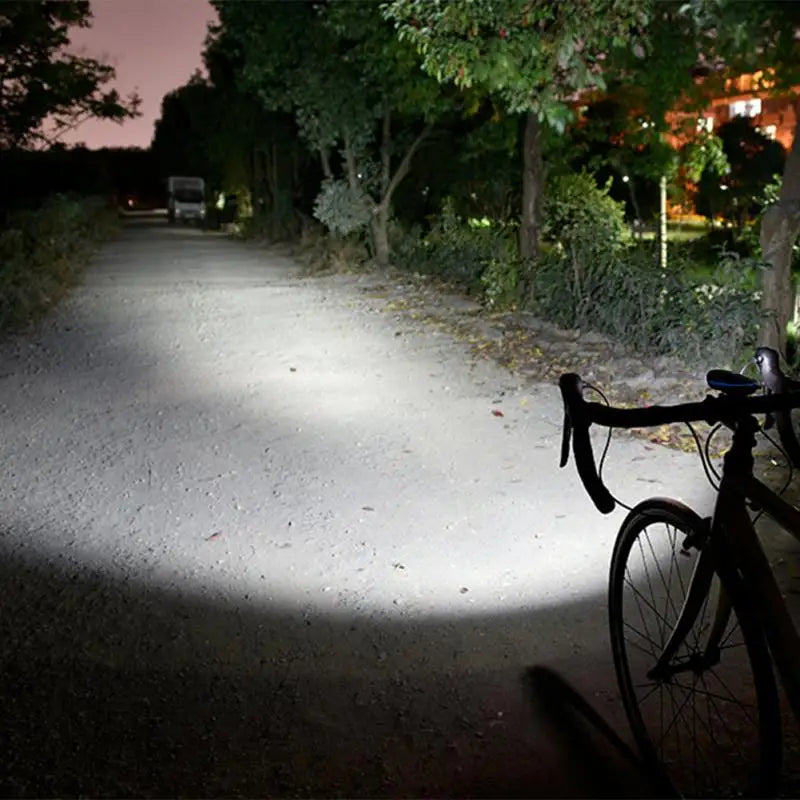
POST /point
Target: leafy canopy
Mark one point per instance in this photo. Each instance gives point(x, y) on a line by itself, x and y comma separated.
point(694, 49)
point(41, 85)
point(532, 54)
point(337, 65)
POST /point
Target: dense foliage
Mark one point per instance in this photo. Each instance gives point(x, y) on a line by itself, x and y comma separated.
point(460, 251)
point(753, 161)
point(45, 90)
point(627, 297)
point(360, 103)
point(42, 251)
point(533, 57)
point(508, 145)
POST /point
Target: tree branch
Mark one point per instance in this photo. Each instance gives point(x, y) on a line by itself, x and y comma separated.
point(326, 162)
point(404, 165)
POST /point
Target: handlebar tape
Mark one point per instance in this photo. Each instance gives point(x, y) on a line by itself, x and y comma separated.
point(571, 390)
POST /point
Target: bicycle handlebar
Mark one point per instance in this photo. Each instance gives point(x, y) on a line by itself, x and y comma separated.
point(580, 414)
point(577, 421)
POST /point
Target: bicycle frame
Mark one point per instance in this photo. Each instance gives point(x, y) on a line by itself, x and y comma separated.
point(732, 548)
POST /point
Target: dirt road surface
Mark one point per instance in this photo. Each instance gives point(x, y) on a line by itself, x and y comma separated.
point(261, 537)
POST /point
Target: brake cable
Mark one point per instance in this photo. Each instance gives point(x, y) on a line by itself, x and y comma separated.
point(605, 447)
point(703, 450)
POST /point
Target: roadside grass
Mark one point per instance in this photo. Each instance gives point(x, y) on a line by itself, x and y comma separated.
point(43, 252)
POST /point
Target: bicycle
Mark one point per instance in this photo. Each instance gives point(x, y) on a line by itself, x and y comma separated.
point(696, 617)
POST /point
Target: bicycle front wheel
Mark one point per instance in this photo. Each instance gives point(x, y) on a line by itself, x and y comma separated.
point(710, 720)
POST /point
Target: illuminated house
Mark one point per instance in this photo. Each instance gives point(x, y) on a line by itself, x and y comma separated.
point(775, 116)
point(747, 96)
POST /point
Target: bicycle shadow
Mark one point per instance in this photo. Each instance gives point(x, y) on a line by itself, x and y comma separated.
point(595, 753)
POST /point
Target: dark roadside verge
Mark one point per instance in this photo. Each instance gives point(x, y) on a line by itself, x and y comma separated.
point(43, 251)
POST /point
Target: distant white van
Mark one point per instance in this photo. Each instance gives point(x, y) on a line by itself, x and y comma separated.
point(186, 199)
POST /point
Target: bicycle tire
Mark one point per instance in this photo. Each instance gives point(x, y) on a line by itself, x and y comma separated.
point(733, 744)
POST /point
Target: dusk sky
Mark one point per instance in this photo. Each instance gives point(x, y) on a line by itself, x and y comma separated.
point(155, 46)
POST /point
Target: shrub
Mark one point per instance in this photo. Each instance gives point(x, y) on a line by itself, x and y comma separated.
point(500, 282)
point(342, 209)
point(321, 251)
point(584, 231)
point(271, 226)
point(457, 251)
point(591, 276)
point(42, 252)
point(576, 211)
point(627, 297)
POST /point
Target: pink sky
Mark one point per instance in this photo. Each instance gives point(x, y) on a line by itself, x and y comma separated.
point(155, 46)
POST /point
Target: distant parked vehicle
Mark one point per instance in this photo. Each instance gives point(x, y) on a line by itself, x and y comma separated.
point(186, 200)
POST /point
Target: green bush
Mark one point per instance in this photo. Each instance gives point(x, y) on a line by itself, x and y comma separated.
point(579, 213)
point(749, 235)
point(500, 282)
point(463, 253)
point(42, 252)
point(342, 209)
point(591, 276)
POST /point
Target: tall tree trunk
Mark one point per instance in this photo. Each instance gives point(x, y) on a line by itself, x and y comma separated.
point(780, 227)
point(350, 165)
point(532, 191)
point(380, 236)
point(271, 181)
point(380, 216)
point(252, 184)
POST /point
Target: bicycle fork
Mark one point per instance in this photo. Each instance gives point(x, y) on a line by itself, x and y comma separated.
point(729, 510)
point(696, 597)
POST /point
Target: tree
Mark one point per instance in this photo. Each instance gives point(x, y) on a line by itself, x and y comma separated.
point(209, 127)
point(754, 160)
point(180, 137)
point(534, 56)
point(45, 91)
point(360, 101)
point(694, 51)
point(610, 140)
point(763, 36)
point(258, 147)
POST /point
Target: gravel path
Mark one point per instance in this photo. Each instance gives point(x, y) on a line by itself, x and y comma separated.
point(264, 536)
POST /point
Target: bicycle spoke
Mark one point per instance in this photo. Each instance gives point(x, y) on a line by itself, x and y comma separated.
point(702, 715)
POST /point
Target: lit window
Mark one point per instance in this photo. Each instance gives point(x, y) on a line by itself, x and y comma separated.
point(746, 108)
point(753, 107)
point(705, 124)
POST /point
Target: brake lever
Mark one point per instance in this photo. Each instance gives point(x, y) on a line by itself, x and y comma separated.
point(565, 438)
